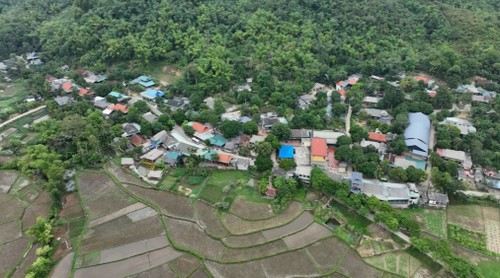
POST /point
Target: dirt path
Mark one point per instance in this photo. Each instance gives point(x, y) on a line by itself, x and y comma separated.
point(348, 121)
point(22, 115)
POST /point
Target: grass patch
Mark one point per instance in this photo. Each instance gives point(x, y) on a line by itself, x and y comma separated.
point(252, 195)
point(426, 261)
point(489, 269)
point(355, 221)
point(344, 235)
point(194, 180)
point(75, 230)
point(434, 220)
point(179, 172)
point(213, 191)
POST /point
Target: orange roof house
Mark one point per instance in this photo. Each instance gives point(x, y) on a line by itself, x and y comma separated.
point(319, 149)
point(118, 107)
point(377, 137)
point(340, 83)
point(67, 87)
point(421, 78)
point(271, 192)
point(342, 92)
point(136, 140)
point(85, 92)
point(201, 128)
point(352, 81)
point(225, 158)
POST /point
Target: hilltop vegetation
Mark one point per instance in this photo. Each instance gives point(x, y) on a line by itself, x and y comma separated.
point(303, 41)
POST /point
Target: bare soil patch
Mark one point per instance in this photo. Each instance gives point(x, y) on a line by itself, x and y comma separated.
point(169, 203)
point(124, 176)
point(93, 183)
point(188, 235)
point(129, 266)
point(27, 262)
point(376, 231)
point(209, 220)
point(117, 214)
point(4, 197)
point(106, 202)
point(238, 226)
point(132, 249)
point(10, 231)
point(12, 210)
point(63, 268)
point(250, 210)
point(242, 270)
point(308, 236)
point(300, 265)
point(10, 253)
point(39, 208)
point(161, 271)
point(200, 273)
point(244, 240)
point(353, 266)
point(328, 252)
point(251, 253)
point(474, 224)
point(185, 265)
point(120, 231)
point(7, 178)
point(298, 224)
point(492, 214)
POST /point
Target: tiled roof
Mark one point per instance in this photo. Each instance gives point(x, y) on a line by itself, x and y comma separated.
point(377, 137)
point(225, 158)
point(120, 107)
point(318, 147)
point(201, 128)
point(67, 87)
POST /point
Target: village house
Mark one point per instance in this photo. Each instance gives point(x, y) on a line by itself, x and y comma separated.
point(118, 96)
point(63, 100)
point(299, 134)
point(370, 101)
point(286, 152)
point(378, 114)
point(417, 134)
point(380, 147)
point(267, 123)
point(377, 137)
point(127, 162)
point(172, 158)
point(164, 138)
point(319, 151)
point(436, 200)
point(303, 173)
point(329, 135)
point(149, 117)
point(457, 156)
point(101, 103)
point(136, 140)
point(201, 131)
point(152, 94)
point(177, 103)
point(255, 139)
point(144, 81)
point(85, 92)
point(464, 126)
point(115, 107)
point(91, 77)
point(396, 194)
point(33, 59)
point(153, 155)
point(130, 129)
point(231, 116)
point(155, 175)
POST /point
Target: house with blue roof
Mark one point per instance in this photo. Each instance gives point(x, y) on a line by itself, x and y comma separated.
point(218, 140)
point(119, 96)
point(417, 134)
point(172, 158)
point(144, 81)
point(152, 94)
point(286, 152)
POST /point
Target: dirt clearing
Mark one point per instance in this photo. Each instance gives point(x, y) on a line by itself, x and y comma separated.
point(353, 266)
point(300, 265)
point(7, 178)
point(328, 252)
point(243, 270)
point(208, 219)
point(492, 214)
point(10, 231)
point(116, 214)
point(185, 265)
point(12, 210)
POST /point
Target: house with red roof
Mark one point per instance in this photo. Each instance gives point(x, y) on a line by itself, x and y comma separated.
point(377, 137)
point(319, 151)
point(271, 192)
point(199, 127)
point(67, 87)
point(85, 92)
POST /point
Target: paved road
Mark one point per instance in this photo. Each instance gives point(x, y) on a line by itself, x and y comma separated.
point(348, 120)
point(22, 115)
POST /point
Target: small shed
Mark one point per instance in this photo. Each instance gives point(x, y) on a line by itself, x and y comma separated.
point(127, 161)
point(155, 175)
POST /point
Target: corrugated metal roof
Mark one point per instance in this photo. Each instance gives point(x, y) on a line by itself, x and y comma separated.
point(417, 133)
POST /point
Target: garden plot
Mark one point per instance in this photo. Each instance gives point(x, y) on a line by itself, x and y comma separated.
point(250, 253)
point(213, 190)
point(131, 265)
point(467, 216)
point(490, 213)
point(10, 231)
point(327, 253)
point(467, 238)
point(434, 221)
point(371, 246)
point(170, 204)
point(208, 219)
point(12, 210)
point(238, 226)
point(39, 208)
point(10, 253)
point(298, 224)
point(251, 210)
point(184, 265)
point(308, 236)
point(242, 270)
point(244, 240)
point(400, 263)
point(7, 179)
point(189, 236)
point(353, 266)
point(492, 236)
point(100, 194)
point(295, 263)
point(120, 231)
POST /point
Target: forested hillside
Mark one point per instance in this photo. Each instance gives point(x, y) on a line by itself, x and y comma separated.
point(300, 40)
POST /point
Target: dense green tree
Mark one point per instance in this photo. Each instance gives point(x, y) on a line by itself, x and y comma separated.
point(282, 131)
point(263, 163)
point(230, 129)
point(250, 128)
point(287, 164)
